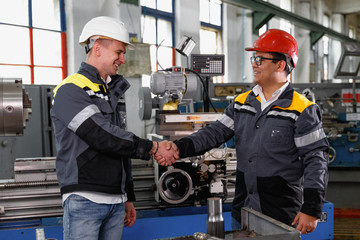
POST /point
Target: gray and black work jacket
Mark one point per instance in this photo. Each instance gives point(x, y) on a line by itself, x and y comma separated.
point(281, 154)
point(93, 147)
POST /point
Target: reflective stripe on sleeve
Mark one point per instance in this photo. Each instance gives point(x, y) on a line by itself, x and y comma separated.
point(100, 95)
point(227, 121)
point(310, 138)
point(245, 107)
point(283, 114)
point(82, 116)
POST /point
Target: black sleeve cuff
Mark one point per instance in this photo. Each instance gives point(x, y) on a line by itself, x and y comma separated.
point(143, 148)
point(313, 202)
point(130, 191)
point(149, 145)
point(186, 147)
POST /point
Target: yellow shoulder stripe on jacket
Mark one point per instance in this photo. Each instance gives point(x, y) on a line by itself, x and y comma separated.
point(241, 98)
point(80, 81)
point(299, 103)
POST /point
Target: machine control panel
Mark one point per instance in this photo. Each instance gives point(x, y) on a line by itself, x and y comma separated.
point(208, 64)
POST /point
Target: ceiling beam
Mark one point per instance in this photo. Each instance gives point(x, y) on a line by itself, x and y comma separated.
point(315, 28)
point(259, 19)
point(315, 36)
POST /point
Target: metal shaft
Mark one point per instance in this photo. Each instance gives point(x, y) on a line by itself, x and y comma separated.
point(215, 220)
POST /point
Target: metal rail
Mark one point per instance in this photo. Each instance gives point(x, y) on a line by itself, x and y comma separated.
point(28, 184)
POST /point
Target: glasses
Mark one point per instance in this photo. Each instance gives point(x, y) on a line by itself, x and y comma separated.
point(259, 59)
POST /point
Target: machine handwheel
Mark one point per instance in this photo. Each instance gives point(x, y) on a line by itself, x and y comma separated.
point(175, 186)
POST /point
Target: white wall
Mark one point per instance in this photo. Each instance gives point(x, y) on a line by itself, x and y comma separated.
point(131, 16)
point(187, 15)
point(237, 34)
point(301, 74)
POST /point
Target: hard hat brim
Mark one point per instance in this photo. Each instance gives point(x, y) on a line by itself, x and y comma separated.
point(130, 46)
point(250, 49)
point(258, 49)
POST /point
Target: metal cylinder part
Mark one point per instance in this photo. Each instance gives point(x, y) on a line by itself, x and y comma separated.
point(145, 103)
point(13, 101)
point(215, 220)
point(173, 86)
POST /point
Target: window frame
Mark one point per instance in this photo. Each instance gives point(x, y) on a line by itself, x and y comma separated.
point(209, 25)
point(62, 31)
point(159, 14)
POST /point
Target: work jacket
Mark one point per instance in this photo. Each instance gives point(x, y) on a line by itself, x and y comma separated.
point(93, 147)
point(281, 154)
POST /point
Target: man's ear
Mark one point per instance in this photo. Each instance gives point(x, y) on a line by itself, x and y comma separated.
point(281, 65)
point(96, 48)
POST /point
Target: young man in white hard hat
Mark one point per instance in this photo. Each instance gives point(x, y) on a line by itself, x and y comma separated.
point(93, 148)
point(280, 144)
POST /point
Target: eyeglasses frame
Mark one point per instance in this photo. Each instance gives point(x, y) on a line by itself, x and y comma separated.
point(259, 62)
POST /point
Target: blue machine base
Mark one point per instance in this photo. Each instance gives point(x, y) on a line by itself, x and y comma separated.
point(155, 224)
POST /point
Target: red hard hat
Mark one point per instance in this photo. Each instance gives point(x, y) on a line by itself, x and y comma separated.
point(276, 40)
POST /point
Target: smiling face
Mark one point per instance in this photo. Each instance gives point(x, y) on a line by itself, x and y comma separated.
point(265, 73)
point(108, 56)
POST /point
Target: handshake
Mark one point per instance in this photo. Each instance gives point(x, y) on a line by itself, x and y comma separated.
point(165, 152)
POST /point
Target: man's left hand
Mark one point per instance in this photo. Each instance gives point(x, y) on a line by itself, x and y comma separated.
point(130, 214)
point(305, 223)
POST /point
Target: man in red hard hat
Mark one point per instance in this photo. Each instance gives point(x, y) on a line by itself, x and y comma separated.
point(280, 144)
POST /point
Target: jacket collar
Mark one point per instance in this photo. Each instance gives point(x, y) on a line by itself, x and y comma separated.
point(283, 101)
point(117, 81)
point(90, 72)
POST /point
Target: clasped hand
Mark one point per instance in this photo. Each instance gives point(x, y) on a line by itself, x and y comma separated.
point(166, 154)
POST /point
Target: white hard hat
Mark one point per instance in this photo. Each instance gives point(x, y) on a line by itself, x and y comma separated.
point(105, 26)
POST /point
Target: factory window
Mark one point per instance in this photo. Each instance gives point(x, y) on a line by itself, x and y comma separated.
point(326, 46)
point(157, 24)
point(210, 41)
point(33, 43)
point(352, 32)
point(211, 28)
point(210, 12)
point(263, 29)
point(353, 61)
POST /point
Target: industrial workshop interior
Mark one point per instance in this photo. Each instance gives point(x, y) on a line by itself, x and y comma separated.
point(195, 72)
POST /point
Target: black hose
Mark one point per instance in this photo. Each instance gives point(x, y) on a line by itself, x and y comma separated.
point(206, 93)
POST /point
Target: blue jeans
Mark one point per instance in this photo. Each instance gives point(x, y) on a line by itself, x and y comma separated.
point(84, 219)
point(235, 224)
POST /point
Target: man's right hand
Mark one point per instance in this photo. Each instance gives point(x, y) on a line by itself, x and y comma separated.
point(167, 153)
